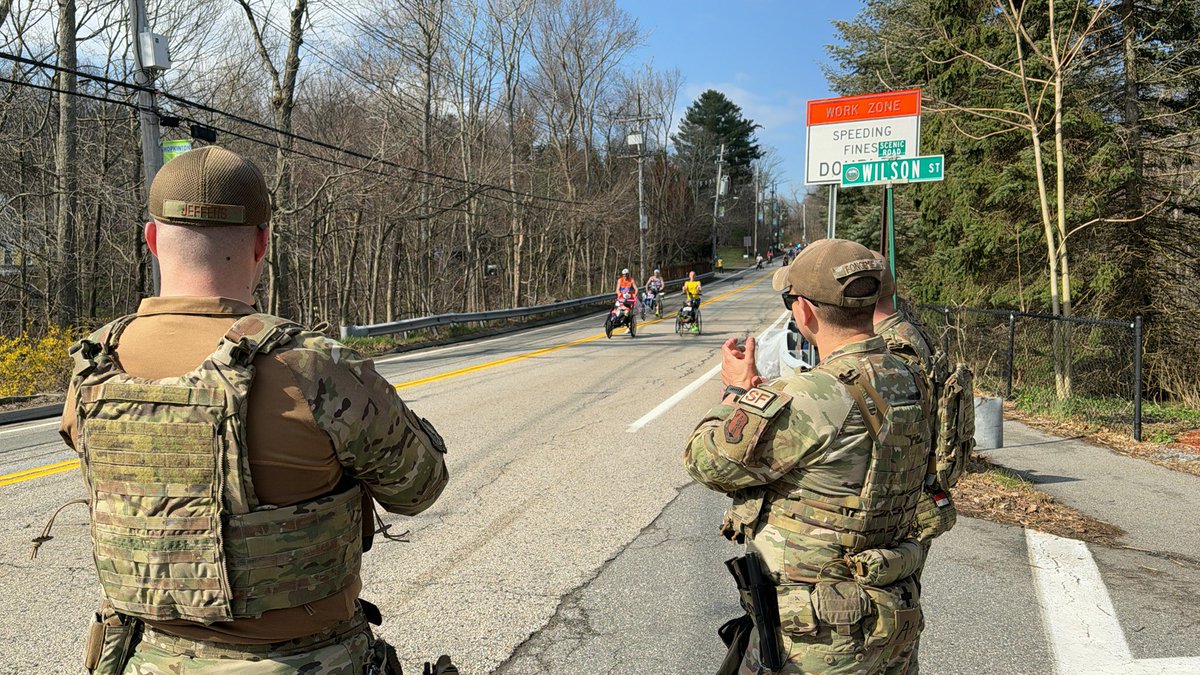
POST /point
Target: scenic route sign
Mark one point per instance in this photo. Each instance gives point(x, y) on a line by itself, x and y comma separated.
point(860, 129)
point(899, 170)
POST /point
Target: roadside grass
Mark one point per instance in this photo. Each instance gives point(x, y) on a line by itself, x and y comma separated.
point(1170, 431)
point(731, 256)
point(999, 495)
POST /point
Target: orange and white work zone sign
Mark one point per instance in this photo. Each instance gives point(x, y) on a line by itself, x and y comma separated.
point(860, 129)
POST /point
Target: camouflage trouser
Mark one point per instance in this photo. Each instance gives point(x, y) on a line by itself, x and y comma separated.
point(827, 653)
point(344, 651)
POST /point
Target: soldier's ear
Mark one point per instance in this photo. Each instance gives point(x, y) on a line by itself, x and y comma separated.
point(261, 239)
point(151, 233)
point(802, 312)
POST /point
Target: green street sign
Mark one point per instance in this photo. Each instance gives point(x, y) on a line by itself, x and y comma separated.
point(905, 170)
point(891, 148)
point(172, 149)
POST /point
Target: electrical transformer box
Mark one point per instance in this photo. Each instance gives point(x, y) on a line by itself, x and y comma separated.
point(155, 54)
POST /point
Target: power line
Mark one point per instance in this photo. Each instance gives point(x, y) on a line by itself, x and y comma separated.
point(228, 132)
point(482, 187)
point(80, 94)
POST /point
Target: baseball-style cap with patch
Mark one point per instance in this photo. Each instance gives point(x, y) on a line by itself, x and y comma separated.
point(210, 186)
point(822, 271)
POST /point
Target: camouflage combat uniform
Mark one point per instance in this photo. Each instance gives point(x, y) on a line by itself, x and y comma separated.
point(934, 517)
point(232, 459)
point(817, 484)
point(182, 541)
point(908, 341)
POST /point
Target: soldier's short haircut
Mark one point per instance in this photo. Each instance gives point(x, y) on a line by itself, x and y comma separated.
point(856, 318)
point(206, 245)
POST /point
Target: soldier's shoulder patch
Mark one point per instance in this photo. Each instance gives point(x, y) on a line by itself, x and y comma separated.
point(751, 417)
point(758, 399)
point(735, 426)
point(764, 402)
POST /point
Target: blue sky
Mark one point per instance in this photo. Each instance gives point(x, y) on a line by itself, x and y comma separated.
point(765, 55)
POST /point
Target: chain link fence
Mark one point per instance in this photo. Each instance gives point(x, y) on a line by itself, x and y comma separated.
point(1062, 366)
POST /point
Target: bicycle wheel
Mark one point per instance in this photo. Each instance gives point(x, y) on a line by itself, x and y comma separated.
point(607, 328)
point(632, 326)
point(699, 322)
point(678, 324)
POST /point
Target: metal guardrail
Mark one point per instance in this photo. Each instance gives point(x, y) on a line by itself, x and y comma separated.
point(393, 327)
point(40, 412)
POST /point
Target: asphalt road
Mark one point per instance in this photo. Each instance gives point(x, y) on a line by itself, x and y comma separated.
point(567, 543)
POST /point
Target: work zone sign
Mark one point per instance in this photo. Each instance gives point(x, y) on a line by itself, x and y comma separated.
point(860, 129)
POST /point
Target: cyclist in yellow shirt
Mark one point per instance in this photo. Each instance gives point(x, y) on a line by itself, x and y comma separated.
point(691, 296)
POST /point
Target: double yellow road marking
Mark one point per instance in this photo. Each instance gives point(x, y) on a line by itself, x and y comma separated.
point(38, 472)
point(59, 467)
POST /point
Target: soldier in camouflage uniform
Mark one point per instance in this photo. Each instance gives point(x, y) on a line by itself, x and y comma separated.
point(825, 469)
point(936, 514)
point(233, 458)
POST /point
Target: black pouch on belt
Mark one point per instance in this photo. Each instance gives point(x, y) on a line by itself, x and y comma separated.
point(110, 641)
point(735, 633)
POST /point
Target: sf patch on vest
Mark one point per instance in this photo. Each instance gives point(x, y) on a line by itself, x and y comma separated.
point(743, 429)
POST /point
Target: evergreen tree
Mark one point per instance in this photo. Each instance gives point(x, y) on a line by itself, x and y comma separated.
point(711, 120)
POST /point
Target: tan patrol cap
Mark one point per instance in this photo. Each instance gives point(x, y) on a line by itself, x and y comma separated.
point(210, 186)
point(822, 271)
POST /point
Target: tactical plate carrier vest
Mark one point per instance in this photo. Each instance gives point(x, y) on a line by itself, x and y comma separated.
point(177, 530)
point(953, 396)
point(826, 527)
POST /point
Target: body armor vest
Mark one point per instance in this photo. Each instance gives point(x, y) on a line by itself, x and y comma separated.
point(177, 530)
point(828, 528)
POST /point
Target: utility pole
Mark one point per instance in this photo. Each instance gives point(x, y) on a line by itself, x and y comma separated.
point(640, 142)
point(147, 67)
point(717, 202)
point(774, 215)
point(757, 211)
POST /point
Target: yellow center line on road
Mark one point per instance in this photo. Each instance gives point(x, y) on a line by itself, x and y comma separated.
point(51, 469)
point(38, 472)
point(546, 350)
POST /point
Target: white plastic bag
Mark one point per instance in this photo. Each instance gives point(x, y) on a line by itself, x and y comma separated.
point(773, 358)
point(769, 348)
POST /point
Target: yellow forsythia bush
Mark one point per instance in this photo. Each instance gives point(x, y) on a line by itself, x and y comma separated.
point(35, 365)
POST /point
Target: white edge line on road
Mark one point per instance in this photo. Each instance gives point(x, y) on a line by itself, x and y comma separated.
point(13, 430)
point(686, 391)
point(1078, 614)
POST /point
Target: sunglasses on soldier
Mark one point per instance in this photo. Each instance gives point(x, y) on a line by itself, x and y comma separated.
point(789, 298)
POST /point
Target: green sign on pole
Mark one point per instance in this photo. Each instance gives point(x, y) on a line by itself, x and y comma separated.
point(891, 148)
point(901, 170)
point(172, 149)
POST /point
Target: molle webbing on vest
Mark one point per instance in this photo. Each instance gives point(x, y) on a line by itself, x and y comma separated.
point(881, 512)
point(177, 530)
point(293, 555)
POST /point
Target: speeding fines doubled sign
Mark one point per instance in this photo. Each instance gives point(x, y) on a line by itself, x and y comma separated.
point(860, 129)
